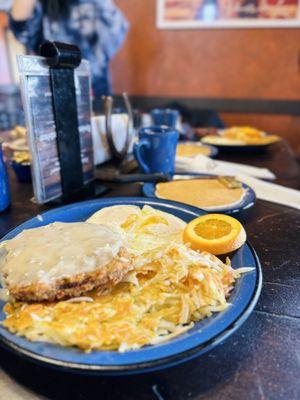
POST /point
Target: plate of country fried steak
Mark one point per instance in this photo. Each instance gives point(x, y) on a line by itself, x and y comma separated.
point(124, 285)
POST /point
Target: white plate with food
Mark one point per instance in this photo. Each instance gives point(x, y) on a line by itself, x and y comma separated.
point(241, 137)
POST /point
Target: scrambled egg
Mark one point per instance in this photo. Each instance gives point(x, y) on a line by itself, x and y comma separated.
point(170, 288)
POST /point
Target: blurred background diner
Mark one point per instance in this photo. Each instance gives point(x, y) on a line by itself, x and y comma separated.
point(98, 28)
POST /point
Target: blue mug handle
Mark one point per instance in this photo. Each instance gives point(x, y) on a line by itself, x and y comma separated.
point(138, 154)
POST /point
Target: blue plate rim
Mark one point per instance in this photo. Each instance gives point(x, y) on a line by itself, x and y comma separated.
point(161, 362)
point(251, 195)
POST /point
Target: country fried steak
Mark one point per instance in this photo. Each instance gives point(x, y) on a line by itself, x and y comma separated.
point(63, 260)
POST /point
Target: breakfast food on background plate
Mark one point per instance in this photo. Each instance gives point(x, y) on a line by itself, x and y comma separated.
point(208, 194)
point(17, 142)
point(248, 135)
point(169, 288)
point(241, 135)
point(16, 152)
point(62, 260)
point(191, 150)
point(215, 233)
point(19, 132)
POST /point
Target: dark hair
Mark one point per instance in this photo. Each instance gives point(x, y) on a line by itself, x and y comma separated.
point(57, 9)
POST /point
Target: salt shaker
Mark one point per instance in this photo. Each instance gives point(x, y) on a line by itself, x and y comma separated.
point(4, 185)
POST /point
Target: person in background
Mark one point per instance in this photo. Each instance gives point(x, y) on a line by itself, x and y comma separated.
point(97, 26)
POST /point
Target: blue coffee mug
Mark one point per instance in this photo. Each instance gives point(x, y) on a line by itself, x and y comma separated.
point(165, 116)
point(156, 149)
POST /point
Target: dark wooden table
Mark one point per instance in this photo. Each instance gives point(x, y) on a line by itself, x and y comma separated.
point(260, 361)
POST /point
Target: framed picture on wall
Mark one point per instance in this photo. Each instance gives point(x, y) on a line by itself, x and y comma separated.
point(185, 14)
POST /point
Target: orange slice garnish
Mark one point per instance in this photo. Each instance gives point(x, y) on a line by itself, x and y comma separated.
point(215, 233)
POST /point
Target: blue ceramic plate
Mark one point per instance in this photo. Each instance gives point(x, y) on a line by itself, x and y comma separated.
point(203, 336)
point(247, 202)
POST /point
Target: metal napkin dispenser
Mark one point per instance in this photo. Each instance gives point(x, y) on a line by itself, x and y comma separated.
point(56, 97)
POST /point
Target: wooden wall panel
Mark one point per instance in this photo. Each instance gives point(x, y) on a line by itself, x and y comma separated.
point(220, 63)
